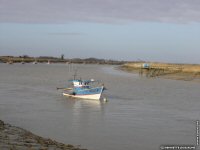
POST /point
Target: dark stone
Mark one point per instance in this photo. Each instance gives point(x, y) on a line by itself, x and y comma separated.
point(1, 123)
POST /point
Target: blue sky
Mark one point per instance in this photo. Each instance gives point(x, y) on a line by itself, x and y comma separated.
point(153, 31)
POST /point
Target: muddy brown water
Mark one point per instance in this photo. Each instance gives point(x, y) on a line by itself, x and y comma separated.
point(140, 113)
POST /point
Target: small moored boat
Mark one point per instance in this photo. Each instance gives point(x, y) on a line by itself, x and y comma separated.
point(83, 89)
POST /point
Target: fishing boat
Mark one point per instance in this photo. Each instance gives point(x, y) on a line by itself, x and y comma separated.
point(83, 89)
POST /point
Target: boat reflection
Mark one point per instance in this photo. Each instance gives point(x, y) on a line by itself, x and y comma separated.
point(88, 105)
point(86, 112)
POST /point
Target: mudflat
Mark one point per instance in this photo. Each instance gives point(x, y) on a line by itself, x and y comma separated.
point(16, 138)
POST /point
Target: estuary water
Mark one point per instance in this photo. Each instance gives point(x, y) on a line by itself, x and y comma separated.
point(140, 113)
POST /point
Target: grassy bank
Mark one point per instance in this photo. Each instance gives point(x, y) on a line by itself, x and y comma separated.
point(167, 70)
point(190, 68)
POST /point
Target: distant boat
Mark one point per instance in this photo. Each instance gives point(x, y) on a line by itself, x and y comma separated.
point(48, 62)
point(35, 62)
point(10, 62)
point(83, 89)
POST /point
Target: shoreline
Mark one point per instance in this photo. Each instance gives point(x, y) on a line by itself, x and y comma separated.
point(49, 60)
point(183, 72)
point(16, 138)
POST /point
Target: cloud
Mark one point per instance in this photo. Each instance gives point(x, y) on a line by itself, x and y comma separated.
point(67, 33)
point(106, 11)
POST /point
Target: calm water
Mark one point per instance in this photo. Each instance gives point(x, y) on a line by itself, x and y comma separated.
point(140, 114)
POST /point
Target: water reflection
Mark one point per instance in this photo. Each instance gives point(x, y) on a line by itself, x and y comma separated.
point(83, 108)
point(87, 105)
point(86, 114)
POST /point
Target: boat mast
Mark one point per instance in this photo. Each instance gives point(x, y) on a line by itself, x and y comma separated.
point(75, 74)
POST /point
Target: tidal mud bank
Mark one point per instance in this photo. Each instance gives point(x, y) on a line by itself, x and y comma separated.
point(15, 138)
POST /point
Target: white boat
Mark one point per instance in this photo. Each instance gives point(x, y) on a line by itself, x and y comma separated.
point(91, 93)
point(48, 62)
point(82, 89)
point(35, 62)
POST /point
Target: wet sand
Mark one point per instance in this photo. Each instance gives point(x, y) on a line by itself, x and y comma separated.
point(15, 138)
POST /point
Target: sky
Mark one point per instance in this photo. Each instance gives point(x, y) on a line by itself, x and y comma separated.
point(149, 30)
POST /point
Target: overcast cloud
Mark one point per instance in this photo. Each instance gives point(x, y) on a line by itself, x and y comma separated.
point(106, 11)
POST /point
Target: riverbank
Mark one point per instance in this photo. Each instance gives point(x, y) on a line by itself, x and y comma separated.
point(186, 72)
point(49, 60)
point(15, 138)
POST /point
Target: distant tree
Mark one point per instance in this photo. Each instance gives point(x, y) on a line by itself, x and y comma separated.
point(25, 56)
point(62, 57)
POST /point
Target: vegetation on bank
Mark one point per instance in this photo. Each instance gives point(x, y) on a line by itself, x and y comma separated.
point(185, 72)
point(190, 68)
point(45, 59)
